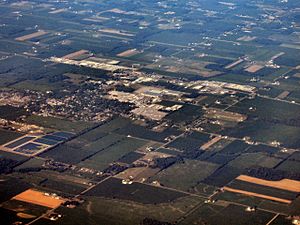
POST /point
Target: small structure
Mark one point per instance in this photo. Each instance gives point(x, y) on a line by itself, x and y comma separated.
point(250, 209)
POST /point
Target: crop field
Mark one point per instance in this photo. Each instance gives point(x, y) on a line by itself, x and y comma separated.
point(210, 143)
point(81, 149)
point(15, 157)
point(38, 198)
point(168, 151)
point(236, 147)
point(30, 36)
point(10, 186)
point(274, 120)
point(31, 163)
point(67, 154)
point(221, 159)
point(250, 193)
point(262, 203)
point(23, 209)
point(113, 125)
point(102, 159)
point(143, 133)
point(248, 160)
point(173, 37)
point(243, 199)
point(190, 145)
point(7, 136)
point(217, 147)
point(184, 176)
point(189, 66)
point(267, 132)
point(10, 160)
point(92, 135)
point(128, 53)
point(281, 220)
point(223, 176)
point(285, 184)
point(18, 65)
point(58, 124)
point(97, 210)
point(197, 217)
point(292, 166)
point(264, 149)
point(268, 109)
point(295, 156)
point(130, 157)
point(67, 188)
point(233, 77)
point(262, 191)
point(231, 214)
point(138, 174)
point(137, 192)
point(288, 209)
point(186, 144)
point(6, 45)
point(185, 114)
point(11, 216)
point(62, 183)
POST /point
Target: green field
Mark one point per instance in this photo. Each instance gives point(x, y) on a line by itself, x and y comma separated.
point(7, 136)
point(79, 149)
point(228, 214)
point(248, 160)
point(58, 124)
point(137, 192)
point(184, 176)
point(97, 210)
point(101, 160)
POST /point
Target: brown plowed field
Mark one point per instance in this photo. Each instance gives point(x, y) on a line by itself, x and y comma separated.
point(38, 198)
point(284, 184)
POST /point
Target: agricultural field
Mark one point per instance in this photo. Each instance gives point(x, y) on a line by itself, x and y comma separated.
point(271, 120)
point(184, 176)
point(149, 112)
point(7, 136)
point(230, 214)
point(81, 149)
point(111, 211)
point(113, 188)
point(38, 198)
point(58, 124)
point(289, 166)
point(112, 153)
point(248, 160)
point(285, 184)
point(272, 193)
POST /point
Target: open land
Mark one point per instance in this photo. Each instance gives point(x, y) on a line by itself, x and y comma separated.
point(142, 112)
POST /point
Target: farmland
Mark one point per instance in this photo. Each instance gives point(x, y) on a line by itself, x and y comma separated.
point(102, 159)
point(149, 112)
point(38, 198)
point(230, 214)
point(184, 176)
point(103, 209)
point(114, 188)
point(285, 184)
point(273, 193)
